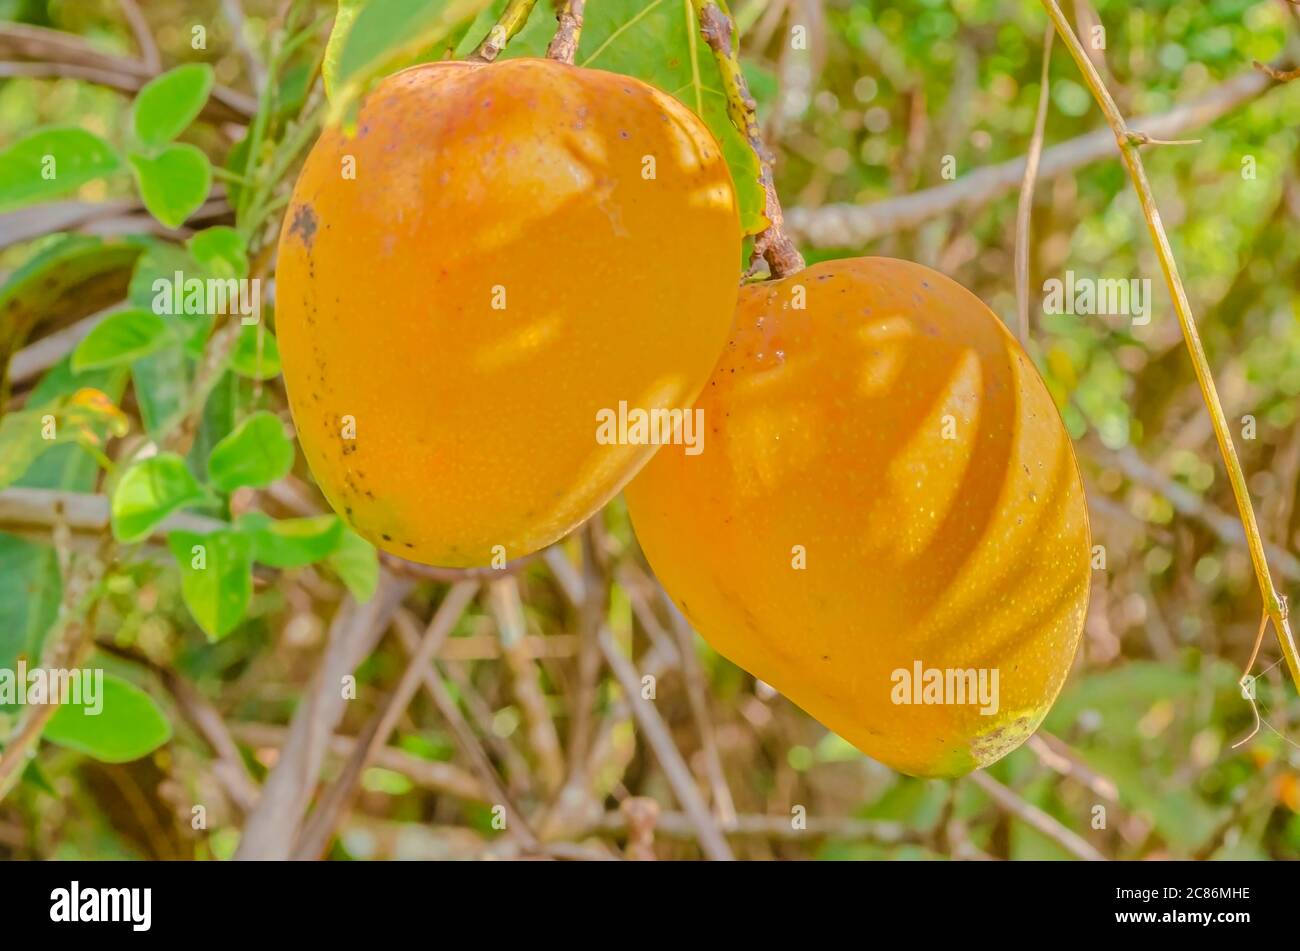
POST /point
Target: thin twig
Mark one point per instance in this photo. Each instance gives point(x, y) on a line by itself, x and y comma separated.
point(272, 827)
point(657, 734)
point(843, 224)
point(1274, 604)
point(320, 826)
point(1034, 817)
point(234, 13)
point(516, 823)
point(432, 775)
point(677, 825)
point(1277, 75)
point(512, 20)
point(772, 245)
point(143, 35)
point(1024, 213)
point(564, 45)
point(507, 610)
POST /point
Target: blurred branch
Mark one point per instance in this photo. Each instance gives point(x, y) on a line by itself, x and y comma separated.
point(468, 744)
point(272, 826)
point(670, 759)
point(1032, 816)
point(507, 610)
point(143, 35)
point(1024, 212)
point(676, 825)
point(320, 826)
point(436, 777)
point(1057, 756)
point(62, 54)
point(24, 508)
point(850, 225)
point(1187, 503)
point(1128, 147)
point(234, 14)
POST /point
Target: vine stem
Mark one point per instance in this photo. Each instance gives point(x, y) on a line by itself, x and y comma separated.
point(512, 20)
point(772, 245)
point(564, 45)
point(1129, 144)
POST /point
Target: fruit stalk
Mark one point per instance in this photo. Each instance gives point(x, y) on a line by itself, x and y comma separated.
point(512, 20)
point(564, 45)
point(772, 245)
point(1129, 144)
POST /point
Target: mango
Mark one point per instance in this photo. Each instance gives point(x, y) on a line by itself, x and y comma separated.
point(490, 258)
point(885, 521)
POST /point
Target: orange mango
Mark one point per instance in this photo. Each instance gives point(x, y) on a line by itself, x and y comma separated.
point(492, 257)
point(886, 522)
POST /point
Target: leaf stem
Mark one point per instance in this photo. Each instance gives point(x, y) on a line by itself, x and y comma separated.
point(512, 20)
point(1129, 145)
point(772, 244)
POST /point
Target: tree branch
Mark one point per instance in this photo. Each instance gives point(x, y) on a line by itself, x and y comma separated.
point(772, 245)
point(845, 225)
point(1274, 604)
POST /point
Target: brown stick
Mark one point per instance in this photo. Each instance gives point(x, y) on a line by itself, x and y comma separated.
point(772, 245)
point(442, 778)
point(319, 829)
point(273, 825)
point(842, 224)
point(564, 45)
point(656, 732)
point(1034, 817)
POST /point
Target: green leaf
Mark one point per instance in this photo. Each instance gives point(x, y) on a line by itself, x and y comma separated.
point(389, 33)
point(161, 382)
point(292, 542)
point(30, 589)
point(217, 422)
point(356, 562)
point(86, 416)
point(256, 356)
point(343, 20)
point(153, 287)
point(221, 251)
point(216, 577)
point(148, 492)
point(70, 466)
point(120, 338)
point(52, 162)
point(126, 726)
point(170, 102)
point(174, 183)
point(658, 41)
point(255, 454)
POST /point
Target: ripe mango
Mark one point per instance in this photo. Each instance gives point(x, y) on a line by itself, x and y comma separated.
point(494, 255)
point(886, 516)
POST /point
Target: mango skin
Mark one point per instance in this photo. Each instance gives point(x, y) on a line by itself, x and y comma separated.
point(825, 428)
point(518, 183)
